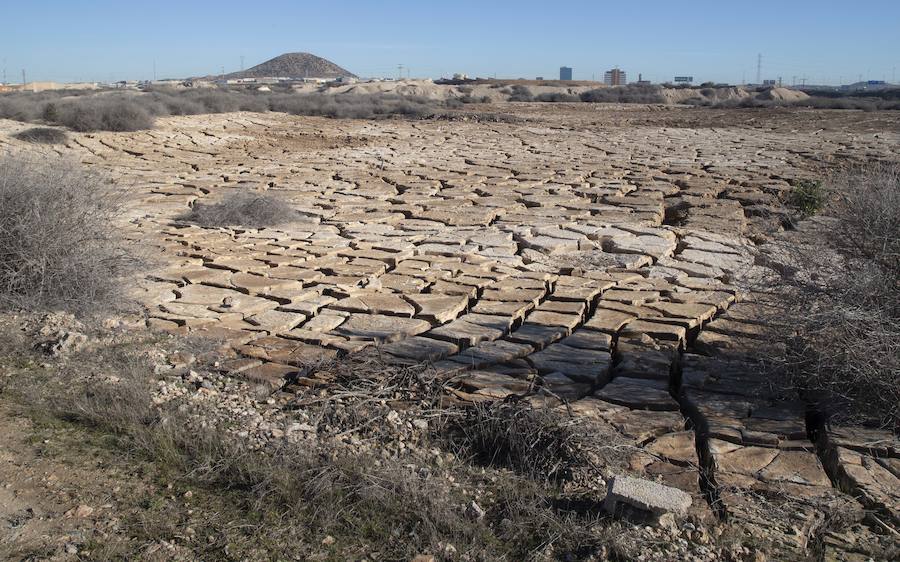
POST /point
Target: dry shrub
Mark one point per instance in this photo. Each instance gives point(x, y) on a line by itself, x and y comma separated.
point(19, 107)
point(60, 247)
point(842, 317)
point(43, 135)
point(104, 113)
point(111, 111)
point(557, 97)
point(815, 102)
point(353, 106)
point(539, 443)
point(624, 94)
point(253, 210)
point(520, 93)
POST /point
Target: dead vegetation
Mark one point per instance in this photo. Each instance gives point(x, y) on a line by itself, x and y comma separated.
point(538, 443)
point(60, 246)
point(252, 210)
point(625, 94)
point(301, 500)
point(842, 299)
point(43, 135)
point(351, 106)
point(134, 111)
point(813, 102)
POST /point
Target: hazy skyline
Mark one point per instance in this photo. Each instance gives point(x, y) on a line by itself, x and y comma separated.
point(824, 41)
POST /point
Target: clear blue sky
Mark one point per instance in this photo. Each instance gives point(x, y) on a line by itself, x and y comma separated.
point(823, 40)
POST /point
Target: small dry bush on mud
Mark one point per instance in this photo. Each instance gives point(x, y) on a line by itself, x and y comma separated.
point(842, 300)
point(252, 210)
point(60, 247)
point(43, 135)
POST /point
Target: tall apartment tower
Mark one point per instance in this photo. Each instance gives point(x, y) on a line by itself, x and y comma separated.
point(565, 73)
point(614, 77)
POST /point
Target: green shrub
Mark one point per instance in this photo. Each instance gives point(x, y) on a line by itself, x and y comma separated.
point(808, 197)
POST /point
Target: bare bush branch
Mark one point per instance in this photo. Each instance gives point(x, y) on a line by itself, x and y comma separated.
point(60, 246)
point(841, 302)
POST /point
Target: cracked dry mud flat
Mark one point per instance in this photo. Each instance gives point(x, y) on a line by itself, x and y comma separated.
point(593, 256)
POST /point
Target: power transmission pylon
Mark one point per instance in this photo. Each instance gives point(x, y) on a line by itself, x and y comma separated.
point(759, 69)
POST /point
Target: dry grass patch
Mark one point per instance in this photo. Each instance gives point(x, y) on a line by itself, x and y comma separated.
point(299, 500)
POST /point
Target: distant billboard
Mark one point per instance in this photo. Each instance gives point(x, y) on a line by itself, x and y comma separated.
point(875, 82)
point(684, 79)
point(770, 82)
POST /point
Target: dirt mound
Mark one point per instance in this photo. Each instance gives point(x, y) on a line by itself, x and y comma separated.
point(730, 94)
point(782, 94)
point(417, 88)
point(294, 65)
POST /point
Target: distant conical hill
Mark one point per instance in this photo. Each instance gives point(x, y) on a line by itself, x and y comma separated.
point(294, 65)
